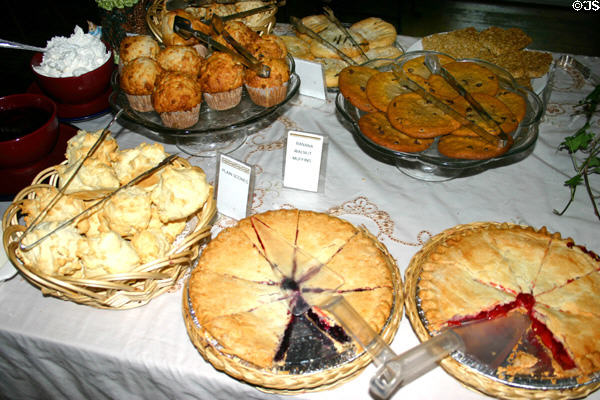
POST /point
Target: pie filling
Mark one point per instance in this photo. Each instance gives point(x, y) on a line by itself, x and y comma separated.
point(526, 301)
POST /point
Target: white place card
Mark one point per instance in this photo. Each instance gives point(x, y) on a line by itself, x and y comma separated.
point(312, 78)
point(303, 159)
point(234, 187)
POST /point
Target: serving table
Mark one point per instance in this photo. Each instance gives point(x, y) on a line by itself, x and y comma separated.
point(50, 348)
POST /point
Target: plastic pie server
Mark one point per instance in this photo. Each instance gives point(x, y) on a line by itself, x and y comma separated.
point(489, 342)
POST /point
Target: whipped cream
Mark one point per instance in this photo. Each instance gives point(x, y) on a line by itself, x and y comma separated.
point(72, 56)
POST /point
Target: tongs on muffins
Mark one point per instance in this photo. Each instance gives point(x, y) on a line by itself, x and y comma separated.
point(183, 27)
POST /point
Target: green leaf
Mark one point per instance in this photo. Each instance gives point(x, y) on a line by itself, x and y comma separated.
point(579, 141)
point(574, 181)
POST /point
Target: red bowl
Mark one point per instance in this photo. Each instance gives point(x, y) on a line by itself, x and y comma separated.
point(28, 128)
point(76, 89)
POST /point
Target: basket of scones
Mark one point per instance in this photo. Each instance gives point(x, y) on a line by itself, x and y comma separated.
point(114, 231)
point(183, 84)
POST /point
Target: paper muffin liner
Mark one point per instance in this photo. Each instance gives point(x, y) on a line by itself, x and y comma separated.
point(267, 97)
point(181, 119)
point(141, 103)
point(223, 100)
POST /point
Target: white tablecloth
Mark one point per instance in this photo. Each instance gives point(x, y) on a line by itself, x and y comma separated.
point(51, 348)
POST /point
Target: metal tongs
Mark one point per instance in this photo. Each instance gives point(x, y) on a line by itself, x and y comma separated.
point(432, 62)
point(329, 14)
point(300, 27)
point(415, 87)
point(183, 27)
point(567, 61)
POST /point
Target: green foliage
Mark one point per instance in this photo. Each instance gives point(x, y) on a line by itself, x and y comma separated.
point(110, 4)
point(585, 143)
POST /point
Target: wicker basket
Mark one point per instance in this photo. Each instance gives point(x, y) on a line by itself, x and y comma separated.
point(470, 377)
point(286, 383)
point(114, 291)
point(157, 9)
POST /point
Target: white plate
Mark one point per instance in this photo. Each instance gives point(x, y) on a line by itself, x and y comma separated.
point(538, 84)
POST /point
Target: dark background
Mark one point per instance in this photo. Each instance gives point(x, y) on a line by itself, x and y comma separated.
point(552, 24)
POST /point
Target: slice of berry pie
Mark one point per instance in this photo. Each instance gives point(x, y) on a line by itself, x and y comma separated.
point(256, 289)
point(489, 270)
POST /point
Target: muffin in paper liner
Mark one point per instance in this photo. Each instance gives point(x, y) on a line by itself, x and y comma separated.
point(141, 103)
point(267, 97)
point(181, 119)
point(223, 100)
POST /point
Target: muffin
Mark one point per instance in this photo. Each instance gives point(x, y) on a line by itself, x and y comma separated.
point(268, 46)
point(133, 47)
point(221, 80)
point(270, 91)
point(180, 59)
point(177, 97)
point(138, 79)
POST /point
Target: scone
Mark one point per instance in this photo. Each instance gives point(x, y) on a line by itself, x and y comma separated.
point(93, 175)
point(138, 79)
point(221, 80)
point(150, 244)
point(177, 98)
point(107, 253)
point(66, 208)
point(180, 192)
point(80, 144)
point(128, 211)
point(130, 163)
point(268, 92)
point(180, 59)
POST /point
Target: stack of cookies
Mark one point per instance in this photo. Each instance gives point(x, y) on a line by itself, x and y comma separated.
point(375, 37)
point(503, 47)
point(401, 120)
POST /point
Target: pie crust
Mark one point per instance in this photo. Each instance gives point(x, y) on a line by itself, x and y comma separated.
point(239, 293)
point(487, 270)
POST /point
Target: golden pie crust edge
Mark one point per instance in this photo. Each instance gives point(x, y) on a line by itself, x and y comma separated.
point(466, 375)
point(273, 382)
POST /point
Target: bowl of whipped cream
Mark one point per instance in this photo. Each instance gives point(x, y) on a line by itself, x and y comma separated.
point(74, 69)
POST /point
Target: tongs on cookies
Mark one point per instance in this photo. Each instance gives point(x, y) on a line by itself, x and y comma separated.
point(404, 80)
point(183, 27)
point(300, 27)
point(432, 62)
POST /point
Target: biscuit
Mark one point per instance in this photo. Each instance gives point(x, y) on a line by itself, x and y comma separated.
point(316, 23)
point(353, 85)
point(470, 148)
point(335, 36)
point(417, 117)
point(376, 31)
point(461, 43)
point(389, 52)
point(332, 68)
point(297, 47)
point(378, 129)
point(382, 88)
point(416, 70)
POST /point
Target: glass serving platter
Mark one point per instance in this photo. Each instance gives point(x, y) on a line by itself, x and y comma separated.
point(216, 131)
point(429, 164)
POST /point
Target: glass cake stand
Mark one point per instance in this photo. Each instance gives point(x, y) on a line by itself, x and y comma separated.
point(429, 164)
point(216, 131)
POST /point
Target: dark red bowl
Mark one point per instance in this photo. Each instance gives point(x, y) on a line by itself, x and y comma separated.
point(32, 145)
point(76, 89)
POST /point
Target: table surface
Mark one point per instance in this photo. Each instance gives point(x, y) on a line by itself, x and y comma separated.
point(51, 348)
